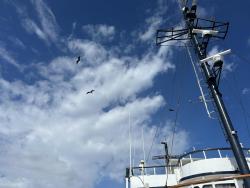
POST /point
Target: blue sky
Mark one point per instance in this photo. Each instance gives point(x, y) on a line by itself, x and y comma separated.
point(54, 135)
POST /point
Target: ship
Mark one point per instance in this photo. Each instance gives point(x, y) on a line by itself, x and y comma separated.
point(221, 167)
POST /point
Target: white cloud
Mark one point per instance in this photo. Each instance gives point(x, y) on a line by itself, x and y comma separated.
point(202, 12)
point(228, 67)
point(213, 51)
point(47, 19)
point(74, 25)
point(245, 91)
point(100, 32)
point(153, 22)
point(93, 52)
point(153, 25)
point(52, 134)
point(31, 27)
point(46, 28)
point(17, 42)
point(7, 56)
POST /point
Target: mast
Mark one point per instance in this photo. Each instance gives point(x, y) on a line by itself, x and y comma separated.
point(198, 33)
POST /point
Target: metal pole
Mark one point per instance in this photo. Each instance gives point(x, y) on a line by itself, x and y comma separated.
point(226, 121)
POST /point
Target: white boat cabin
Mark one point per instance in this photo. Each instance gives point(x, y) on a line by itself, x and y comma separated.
point(209, 168)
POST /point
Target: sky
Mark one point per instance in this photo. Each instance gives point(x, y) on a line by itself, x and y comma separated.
point(53, 134)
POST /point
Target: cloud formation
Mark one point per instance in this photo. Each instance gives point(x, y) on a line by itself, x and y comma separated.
point(245, 91)
point(46, 28)
point(100, 32)
point(8, 57)
point(54, 135)
point(153, 22)
point(52, 130)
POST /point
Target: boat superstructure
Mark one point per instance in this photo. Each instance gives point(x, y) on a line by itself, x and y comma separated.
point(206, 168)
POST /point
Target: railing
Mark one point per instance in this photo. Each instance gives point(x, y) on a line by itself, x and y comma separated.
point(149, 170)
point(206, 153)
point(180, 160)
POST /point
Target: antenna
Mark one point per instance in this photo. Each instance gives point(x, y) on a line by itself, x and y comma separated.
point(143, 147)
point(205, 32)
point(199, 32)
point(130, 147)
point(216, 57)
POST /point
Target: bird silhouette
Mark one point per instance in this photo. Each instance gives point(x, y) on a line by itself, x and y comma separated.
point(171, 109)
point(90, 92)
point(78, 59)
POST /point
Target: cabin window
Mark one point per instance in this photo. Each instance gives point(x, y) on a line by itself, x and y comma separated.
point(207, 186)
point(225, 185)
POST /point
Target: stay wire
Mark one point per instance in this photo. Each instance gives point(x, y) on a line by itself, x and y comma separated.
point(175, 126)
point(242, 58)
point(213, 106)
point(176, 117)
point(152, 143)
point(235, 53)
point(238, 97)
point(176, 110)
point(215, 111)
point(174, 78)
point(243, 109)
point(173, 81)
point(175, 121)
point(178, 100)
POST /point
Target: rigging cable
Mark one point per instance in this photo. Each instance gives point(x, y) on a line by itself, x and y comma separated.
point(244, 59)
point(175, 121)
point(243, 109)
point(143, 147)
point(130, 147)
point(198, 81)
point(178, 102)
point(203, 95)
point(177, 109)
point(152, 143)
point(175, 125)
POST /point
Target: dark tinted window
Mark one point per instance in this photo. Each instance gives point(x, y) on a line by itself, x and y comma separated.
point(225, 185)
point(207, 186)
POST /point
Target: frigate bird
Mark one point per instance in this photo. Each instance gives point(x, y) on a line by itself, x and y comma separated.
point(90, 92)
point(78, 59)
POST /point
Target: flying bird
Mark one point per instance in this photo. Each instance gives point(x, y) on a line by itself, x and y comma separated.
point(78, 59)
point(171, 109)
point(90, 92)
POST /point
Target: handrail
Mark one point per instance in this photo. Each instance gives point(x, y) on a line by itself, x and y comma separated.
point(179, 157)
point(156, 166)
point(207, 149)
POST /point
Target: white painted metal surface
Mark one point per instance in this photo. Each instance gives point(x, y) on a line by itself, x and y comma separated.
point(207, 166)
point(216, 56)
point(188, 169)
point(152, 180)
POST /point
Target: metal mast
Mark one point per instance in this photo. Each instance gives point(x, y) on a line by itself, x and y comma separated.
point(198, 32)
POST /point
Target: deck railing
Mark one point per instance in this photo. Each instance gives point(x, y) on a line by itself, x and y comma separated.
point(208, 153)
point(180, 160)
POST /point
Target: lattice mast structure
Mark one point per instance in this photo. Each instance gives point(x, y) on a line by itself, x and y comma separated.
point(198, 33)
